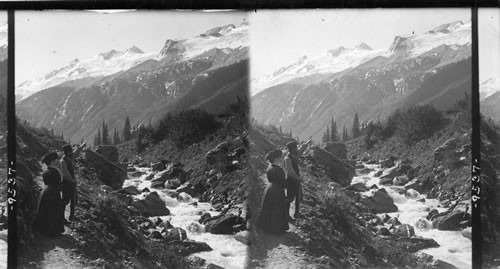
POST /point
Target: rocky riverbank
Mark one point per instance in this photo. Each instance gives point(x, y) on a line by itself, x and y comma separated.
point(362, 211)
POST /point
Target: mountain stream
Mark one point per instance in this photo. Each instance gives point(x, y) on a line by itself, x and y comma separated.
point(227, 252)
point(453, 248)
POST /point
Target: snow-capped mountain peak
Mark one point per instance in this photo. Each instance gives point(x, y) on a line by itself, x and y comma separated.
point(134, 49)
point(454, 33)
point(103, 64)
point(113, 61)
point(363, 46)
point(3, 41)
point(336, 52)
point(331, 61)
point(489, 87)
point(3, 34)
point(447, 27)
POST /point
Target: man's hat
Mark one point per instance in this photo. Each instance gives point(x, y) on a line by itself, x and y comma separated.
point(49, 157)
point(291, 145)
point(67, 148)
point(272, 155)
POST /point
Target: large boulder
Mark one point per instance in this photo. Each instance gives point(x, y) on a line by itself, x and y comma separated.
point(175, 233)
point(187, 188)
point(188, 247)
point(433, 214)
point(386, 163)
point(358, 187)
point(243, 237)
point(386, 181)
point(414, 244)
point(405, 230)
point(415, 184)
point(157, 184)
point(109, 152)
point(412, 194)
point(336, 169)
point(337, 149)
point(450, 221)
point(158, 166)
point(172, 171)
point(379, 202)
point(467, 232)
point(108, 172)
point(152, 205)
point(400, 180)
point(439, 264)
point(219, 154)
point(131, 190)
point(225, 224)
point(173, 183)
point(446, 151)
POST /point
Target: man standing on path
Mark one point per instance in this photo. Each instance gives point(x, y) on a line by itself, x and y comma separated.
point(69, 181)
point(294, 188)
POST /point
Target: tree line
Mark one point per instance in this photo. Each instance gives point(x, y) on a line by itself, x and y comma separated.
point(103, 136)
point(331, 133)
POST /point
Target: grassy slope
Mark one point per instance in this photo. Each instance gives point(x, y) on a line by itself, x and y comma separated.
point(490, 187)
point(422, 153)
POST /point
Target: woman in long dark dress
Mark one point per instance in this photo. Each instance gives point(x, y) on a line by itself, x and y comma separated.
point(49, 219)
point(274, 216)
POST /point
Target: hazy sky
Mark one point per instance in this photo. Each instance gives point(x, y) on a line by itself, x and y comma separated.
point(48, 40)
point(279, 38)
point(489, 43)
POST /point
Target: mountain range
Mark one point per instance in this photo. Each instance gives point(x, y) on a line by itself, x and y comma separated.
point(209, 70)
point(433, 67)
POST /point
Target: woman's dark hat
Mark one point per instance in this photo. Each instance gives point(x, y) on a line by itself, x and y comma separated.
point(48, 158)
point(67, 148)
point(272, 155)
point(292, 145)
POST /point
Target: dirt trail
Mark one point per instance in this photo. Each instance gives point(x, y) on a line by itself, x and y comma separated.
point(58, 252)
point(280, 251)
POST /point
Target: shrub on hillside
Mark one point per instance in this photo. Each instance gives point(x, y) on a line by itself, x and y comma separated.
point(373, 134)
point(185, 127)
point(419, 122)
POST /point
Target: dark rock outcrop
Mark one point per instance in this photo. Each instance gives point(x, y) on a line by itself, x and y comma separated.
point(152, 205)
point(336, 169)
point(358, 187)
point(450, 221)
point(108, 172)
point(380, 202)
point(109, 152)
point(337, 149)
point(224, 224)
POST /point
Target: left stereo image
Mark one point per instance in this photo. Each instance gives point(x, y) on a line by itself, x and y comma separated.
point(132, 145)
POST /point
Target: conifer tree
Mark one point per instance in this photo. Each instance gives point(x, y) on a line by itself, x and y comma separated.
point(355, 127)
point(98, 140)
point(127, 130)
point(345, 136)
point(333, 132)
point(116, 138)
point(105, 134)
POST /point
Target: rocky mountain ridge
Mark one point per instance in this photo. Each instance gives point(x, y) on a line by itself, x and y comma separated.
point(114, 61)
point(145, 92)
point(406, 76)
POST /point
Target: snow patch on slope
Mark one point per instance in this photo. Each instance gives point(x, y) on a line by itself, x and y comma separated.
point(489, 87)
point(103, 64)
point(331, 61)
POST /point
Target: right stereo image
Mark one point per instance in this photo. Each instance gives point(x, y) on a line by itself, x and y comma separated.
point(361, 130)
